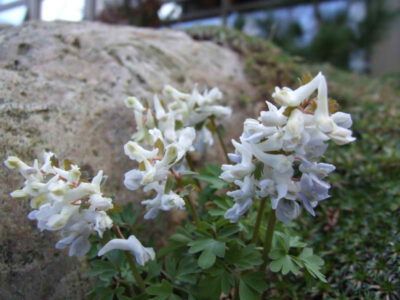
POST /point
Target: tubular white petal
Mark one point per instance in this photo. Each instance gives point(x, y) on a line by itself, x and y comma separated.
point(132, 244)
point(133, 102)
point(136, 152)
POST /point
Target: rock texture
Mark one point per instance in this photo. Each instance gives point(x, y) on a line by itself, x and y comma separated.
point(62, 87)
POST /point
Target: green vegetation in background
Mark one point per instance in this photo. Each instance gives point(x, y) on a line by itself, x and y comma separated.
point(337, 36)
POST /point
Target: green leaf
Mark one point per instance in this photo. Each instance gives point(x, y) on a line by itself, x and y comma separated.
point(256, 281)
point(107, 275)
point(222, 205)
point(205, 195)
point(102, 264)
point(117, 258)
point(206, 259)
point(174, 297)
point(228, 230)
point(213, 169)
point(101, 267)
point(247, 293)
point(258, 172)
point(244, 258)
point(210, 174)
point(208, 288)
point(227, 282)
point(153, 269)
point(140, 297)
point(215, 182)
point(162, 289)
point(211, 245)
point(283, 264)
point(186, 269)
point(129, 215)
point(122, 297)
point(312, 263)
point(103, 293)
point(170, 266)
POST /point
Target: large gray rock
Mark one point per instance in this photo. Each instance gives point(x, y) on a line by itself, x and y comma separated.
point(62, 87)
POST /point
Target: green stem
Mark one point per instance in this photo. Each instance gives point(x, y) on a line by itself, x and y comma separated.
point(260, 214)
point(135, 272)
point(220, 138)
point(188, 201)
point(236, 289)
point(268, 238)
point(192, 168)
point(189, 204)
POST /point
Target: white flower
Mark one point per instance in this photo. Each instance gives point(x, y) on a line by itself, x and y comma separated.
point(172, 200)
point(203, 139)
point(72, 176)
point(295, 126)
point(243, 198)
point(342, 119)
point(245, 167)
point(186, 138)
point(166, 131)
point(162, 201)
point(288, 97)
point(275, 143)
point(133, 102)
point(274, 116)
point(13, 162)
point(238, 210)
point(76, 238)
point(319, 169)
point(62, 202)
point(246, 189)
point(98, 202)
point(340, 135)
point(102, 222)
point(287, 210)
point(133, 179)
point(277, 161)
point(254, 131)
point(177, 95)
point(218, 111)
point(132, 244)
point(136, 152)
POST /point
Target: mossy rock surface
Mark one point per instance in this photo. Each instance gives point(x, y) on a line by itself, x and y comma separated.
point(62, 89)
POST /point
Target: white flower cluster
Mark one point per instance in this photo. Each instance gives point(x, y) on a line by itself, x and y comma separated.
point(282, 141)
point(167, 129)
point(62, 202)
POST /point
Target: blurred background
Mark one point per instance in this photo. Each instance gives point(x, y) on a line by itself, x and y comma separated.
point(358, 35)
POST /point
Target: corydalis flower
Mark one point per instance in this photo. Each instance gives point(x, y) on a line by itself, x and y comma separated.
point(132, 244)
point(168, 127)
point(62, 202)
point(283, 140)
point(162, 201)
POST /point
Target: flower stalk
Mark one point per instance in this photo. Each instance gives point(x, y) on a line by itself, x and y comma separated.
point(188, 201)
point(220, 138)
point(192, 168)
point(135, 272)
point(268, 238)
point(260, 214)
